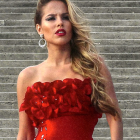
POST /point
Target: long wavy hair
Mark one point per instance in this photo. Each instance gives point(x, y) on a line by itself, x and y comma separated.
point(85, 59)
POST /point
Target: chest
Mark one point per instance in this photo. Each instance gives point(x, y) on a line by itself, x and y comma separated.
point(57, 73)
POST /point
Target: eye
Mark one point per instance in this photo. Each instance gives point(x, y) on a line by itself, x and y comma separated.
point(50, 18)
point(66, 17)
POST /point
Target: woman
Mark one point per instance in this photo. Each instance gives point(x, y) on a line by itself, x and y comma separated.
point(66, 94)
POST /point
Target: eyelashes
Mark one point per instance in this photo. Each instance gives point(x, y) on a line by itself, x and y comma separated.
point(53, 18)
point(66, 17)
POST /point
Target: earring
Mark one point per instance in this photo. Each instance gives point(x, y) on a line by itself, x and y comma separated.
point(42, 39)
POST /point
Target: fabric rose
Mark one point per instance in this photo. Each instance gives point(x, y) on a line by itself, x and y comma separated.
point(51, 99)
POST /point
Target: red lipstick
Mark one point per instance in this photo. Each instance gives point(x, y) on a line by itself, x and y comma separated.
point(60, 32)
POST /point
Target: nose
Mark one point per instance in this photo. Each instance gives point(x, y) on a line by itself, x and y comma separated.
point(59, 22)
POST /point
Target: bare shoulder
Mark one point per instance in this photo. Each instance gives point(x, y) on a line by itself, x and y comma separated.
point(109, 86)
point(104, 69)
point(105, 73)
point(25, 78)
point(27, 74)
point(102, 62)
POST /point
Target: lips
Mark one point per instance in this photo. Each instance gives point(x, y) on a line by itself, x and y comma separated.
point(60, 32)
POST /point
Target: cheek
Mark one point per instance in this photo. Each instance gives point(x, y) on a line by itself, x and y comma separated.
point(70, 29)
point(47, 27)
point(47, 31)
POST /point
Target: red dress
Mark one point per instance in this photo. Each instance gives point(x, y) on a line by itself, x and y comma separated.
point(61, 110)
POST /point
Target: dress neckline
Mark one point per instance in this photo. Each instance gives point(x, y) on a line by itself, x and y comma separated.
point(88, 78)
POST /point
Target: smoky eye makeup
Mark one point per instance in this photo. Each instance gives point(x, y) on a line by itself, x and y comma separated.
point(50, 18)
point(64, 16)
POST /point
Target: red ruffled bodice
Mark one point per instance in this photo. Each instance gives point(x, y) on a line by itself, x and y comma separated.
point(49, 100)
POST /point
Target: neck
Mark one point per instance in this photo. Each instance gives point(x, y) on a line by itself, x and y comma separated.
point(58, 55)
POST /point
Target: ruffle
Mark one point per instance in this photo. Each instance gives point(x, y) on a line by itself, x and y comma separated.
point(51, 99)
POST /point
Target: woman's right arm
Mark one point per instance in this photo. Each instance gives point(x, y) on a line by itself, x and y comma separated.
point(26, 130)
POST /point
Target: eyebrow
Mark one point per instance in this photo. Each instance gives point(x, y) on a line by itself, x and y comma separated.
point(56, 14)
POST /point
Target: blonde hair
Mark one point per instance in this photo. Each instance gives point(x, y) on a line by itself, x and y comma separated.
point(85, 59)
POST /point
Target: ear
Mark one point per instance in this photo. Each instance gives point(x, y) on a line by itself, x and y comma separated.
point(39, 29)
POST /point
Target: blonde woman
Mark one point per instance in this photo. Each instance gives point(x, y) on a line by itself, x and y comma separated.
point(66, 94)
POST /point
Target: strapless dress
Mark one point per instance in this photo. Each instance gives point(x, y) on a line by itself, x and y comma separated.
point(61, 110)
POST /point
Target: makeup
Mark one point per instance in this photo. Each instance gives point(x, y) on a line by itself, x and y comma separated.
point(60, 32)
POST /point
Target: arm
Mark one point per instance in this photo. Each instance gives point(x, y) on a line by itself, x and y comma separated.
point(26, 130)
point(116, 125)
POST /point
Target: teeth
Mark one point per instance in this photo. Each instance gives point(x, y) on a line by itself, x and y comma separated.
point(60, 32)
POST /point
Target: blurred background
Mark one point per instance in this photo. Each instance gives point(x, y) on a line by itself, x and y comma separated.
point(115, 29)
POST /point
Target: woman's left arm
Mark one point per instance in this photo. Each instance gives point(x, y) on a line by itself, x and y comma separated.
point(115, 124)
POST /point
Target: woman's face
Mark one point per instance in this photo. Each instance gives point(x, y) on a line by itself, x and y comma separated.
point(55, 24)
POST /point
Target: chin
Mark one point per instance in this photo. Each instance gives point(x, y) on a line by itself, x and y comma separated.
point(62, 43)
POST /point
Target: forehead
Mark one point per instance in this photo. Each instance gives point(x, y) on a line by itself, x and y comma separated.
point(55, 7)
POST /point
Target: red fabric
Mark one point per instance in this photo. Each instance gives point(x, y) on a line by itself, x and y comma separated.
point(67, 101)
